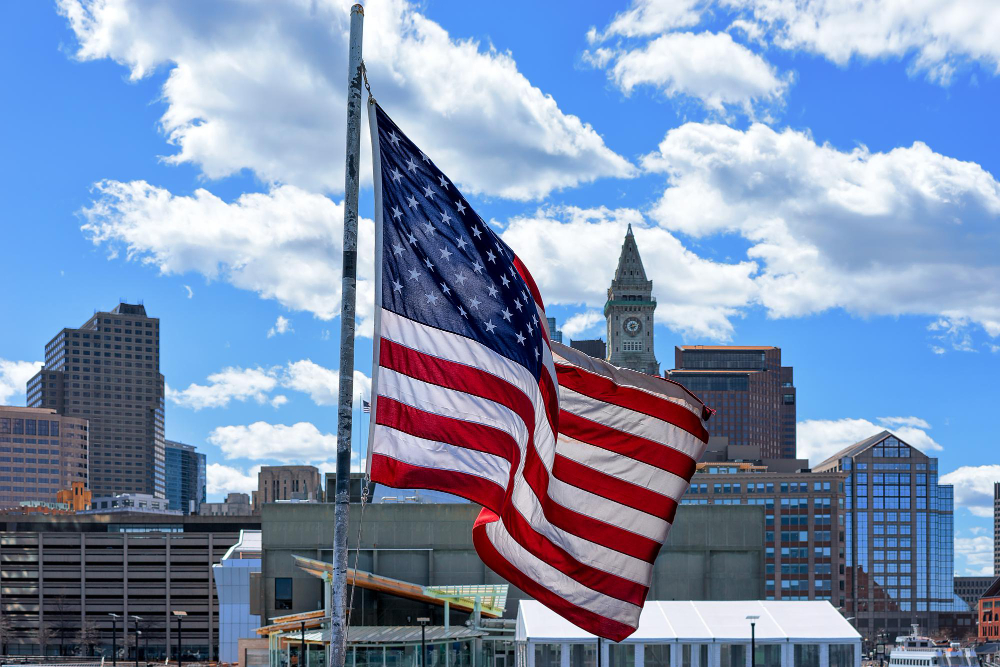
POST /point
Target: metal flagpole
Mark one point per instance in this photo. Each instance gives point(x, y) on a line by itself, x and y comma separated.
point(338, 609)
point(376, 337)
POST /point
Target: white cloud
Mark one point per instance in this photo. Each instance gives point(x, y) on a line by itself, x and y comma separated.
point(257, 384)
point(581, 323)
point(819, 439)
point(284, 245)
point(910, 231)
point(14, 375)
point(977, 552)
point(190, 292)
point(708, 66)
point(322, 384)
point(974, 487)
point(229, 384)
point(299, 443)
point(696, 296)
point(940, 36)
point(467, 106)
point(650, 17)
point(223, 479)
point(282, 325)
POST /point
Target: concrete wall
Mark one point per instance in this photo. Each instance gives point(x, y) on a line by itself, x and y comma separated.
point(712, 553)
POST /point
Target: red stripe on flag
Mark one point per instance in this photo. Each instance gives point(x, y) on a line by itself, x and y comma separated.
point(613, 488)
point(603, 389)
point(584, 618)
point(648, 451)
point(401, 475)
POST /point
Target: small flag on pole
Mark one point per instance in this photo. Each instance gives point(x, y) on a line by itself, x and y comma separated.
point(470, 396)
point(366, 407)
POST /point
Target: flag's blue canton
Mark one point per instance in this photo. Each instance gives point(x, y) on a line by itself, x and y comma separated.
point(441, 264)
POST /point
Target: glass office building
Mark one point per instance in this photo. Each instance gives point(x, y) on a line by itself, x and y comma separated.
point(898, 537)
point(186, 477)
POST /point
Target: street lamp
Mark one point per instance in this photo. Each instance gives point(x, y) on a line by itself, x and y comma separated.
point(753, 638)
point(179, 615)
point(303, 660)
point(136, 619)
point(423, 621)
point(114, 638)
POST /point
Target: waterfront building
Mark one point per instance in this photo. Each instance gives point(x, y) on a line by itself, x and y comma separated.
point(76, 498)
point(595, 348)
point(186, 477)
point(555, 333)
point(140, 503)
point(276, 483)
point(41, 453)
point(752, 393)
point(235, 504)
point(629, 313)
point(107, 371)
point(988, 613)
point(803, 523)
point(684, 633)
point(899, 538)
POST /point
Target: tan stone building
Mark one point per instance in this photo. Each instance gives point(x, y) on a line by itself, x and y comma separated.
point(276, 483)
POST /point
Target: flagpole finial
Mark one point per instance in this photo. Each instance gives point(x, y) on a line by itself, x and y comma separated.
point(358, 9)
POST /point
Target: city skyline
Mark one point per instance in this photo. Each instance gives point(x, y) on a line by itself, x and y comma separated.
point(236, 272)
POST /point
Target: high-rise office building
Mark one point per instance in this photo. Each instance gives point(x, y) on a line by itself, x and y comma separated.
point(752, 393)
point(276, 483)
point(899, 537)
point(594, 347)
point(555, 333)
point(186, 477)
point(41, 453)
point(803, 523)
point(108, 372)
point(629, 313)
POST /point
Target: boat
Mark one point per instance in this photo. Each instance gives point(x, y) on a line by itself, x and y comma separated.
point(913, 650)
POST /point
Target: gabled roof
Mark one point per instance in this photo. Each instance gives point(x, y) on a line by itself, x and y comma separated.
point(853, 450)
point(630, 269)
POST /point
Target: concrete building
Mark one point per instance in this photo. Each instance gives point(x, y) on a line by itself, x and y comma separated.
point(232, 584)
point(235, 504)
point(108, 372)
point(594, 347)
point(186, 477)
point(276, 483)
point(899, 538)
point(130, 503)
point(629, 313)
point(712, 553)
point(41, 453)
point(803, 524)
point(67, 572)
point(752, 393)
point(970, 589)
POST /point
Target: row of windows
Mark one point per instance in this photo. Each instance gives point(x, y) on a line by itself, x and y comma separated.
point(19, 426)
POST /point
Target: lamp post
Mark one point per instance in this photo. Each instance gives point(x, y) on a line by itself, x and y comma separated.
point(179, 615)
point(423, 621)
point(753, 638)
point(303, 661)
point(114, 639)
point(136, 620)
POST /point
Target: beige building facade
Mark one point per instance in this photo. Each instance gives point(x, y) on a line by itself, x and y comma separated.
point(41, 453)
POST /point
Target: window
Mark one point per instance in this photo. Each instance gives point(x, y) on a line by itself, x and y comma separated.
point(807, 655)
point(623, 655)
point(655, 655)
point(548, 655)
point(768, 655)
point(282, 593)
point(732, 655)
point(841, 655)
point(583, 655)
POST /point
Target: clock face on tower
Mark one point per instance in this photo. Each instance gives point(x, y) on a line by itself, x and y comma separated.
point(632, 326)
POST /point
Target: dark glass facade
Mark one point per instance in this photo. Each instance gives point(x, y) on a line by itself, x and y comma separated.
point(186, 477)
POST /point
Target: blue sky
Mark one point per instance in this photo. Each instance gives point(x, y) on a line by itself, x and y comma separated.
point(819, 178)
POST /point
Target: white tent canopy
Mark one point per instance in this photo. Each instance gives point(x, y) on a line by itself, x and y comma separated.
point(704, 622)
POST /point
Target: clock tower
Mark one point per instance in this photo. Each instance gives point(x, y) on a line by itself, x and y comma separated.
point(629, 312)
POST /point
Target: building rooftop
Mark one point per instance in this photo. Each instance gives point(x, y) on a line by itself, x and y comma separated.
point(853, 450)
point(727, 347)
point(34, 411)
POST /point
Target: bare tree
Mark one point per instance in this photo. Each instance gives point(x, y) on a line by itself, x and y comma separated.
point(88, 636)
point(44, 636)
point(63, 626)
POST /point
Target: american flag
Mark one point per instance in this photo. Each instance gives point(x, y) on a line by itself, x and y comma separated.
point(469, 395)
point(366, 407)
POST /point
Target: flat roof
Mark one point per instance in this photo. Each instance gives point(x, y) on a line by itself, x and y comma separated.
point(727, 347)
